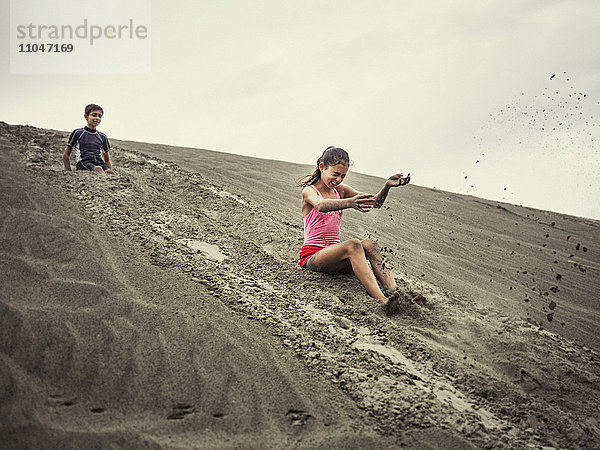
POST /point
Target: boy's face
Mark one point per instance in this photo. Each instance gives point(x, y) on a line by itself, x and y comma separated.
point(93, 118)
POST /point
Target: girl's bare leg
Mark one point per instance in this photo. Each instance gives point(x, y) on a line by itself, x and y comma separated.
point(336, 257)
point(382, 273)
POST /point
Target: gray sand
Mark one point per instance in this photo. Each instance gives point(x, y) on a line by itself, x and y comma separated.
point(164, 307)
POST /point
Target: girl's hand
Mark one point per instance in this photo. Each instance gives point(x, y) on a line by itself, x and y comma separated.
point(398, 180)
point(362, 202)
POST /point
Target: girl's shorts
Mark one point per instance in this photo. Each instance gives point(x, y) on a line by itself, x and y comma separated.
point(306, 252)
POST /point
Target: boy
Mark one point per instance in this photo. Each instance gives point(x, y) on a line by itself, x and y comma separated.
point(91, 146)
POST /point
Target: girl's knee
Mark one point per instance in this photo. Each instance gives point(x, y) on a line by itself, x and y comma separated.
point(370, 246)
point(353, 246)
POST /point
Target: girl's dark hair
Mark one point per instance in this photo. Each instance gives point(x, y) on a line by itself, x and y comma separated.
point(332, 156)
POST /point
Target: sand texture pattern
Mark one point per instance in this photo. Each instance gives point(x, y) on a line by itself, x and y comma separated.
point(164, 307)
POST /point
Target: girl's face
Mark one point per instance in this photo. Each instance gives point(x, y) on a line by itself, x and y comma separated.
point(333, 175)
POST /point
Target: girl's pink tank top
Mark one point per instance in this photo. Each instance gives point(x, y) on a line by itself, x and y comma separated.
point(322, 229)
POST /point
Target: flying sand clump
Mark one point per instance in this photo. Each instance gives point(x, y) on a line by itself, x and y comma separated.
point(559, 118)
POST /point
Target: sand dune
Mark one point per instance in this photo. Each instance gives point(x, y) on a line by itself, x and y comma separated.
point(164, 307)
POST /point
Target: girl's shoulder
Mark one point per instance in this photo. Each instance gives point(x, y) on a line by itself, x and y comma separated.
point(308, 189)
point(346, 191)
point(309, 192)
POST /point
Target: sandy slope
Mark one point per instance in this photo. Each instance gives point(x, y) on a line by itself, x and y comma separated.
point(165, 305)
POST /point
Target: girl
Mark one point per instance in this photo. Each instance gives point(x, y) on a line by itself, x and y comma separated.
point(323, 199)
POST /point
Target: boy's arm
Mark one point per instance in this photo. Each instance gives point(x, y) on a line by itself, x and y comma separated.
point(105, 152)
point(106, 159)
point(66, 156)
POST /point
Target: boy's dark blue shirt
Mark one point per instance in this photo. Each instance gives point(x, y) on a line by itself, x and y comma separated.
point(88, 143)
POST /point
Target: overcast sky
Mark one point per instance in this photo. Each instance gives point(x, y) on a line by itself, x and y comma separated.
point(458, 93)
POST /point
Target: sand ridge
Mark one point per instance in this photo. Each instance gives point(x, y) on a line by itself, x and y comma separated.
point(463, 370)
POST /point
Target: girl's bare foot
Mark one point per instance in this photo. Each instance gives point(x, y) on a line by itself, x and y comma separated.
point(392, 306)
point(419, 300)
point(395, 300)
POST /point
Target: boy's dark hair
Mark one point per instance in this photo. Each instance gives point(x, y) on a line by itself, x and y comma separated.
point(332, 156)
point(93, 107)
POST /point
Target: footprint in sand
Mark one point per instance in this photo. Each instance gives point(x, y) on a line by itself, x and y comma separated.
point(180, 410)
point(528, 381)
point(58, 400)
point(297, 418)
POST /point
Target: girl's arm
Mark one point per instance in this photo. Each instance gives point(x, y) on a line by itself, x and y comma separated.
point(360, 202)
point(393, 181)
